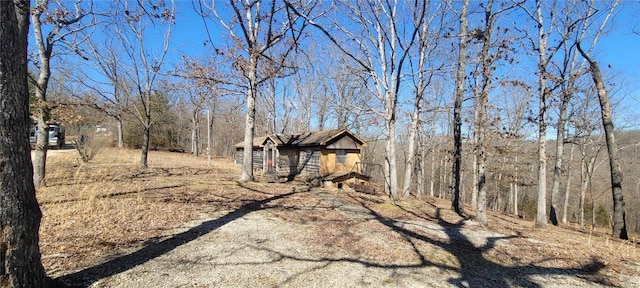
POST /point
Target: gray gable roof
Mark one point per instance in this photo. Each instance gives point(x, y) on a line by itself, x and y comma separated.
point(317, 138)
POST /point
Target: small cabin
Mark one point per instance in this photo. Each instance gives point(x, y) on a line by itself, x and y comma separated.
point(312, 155)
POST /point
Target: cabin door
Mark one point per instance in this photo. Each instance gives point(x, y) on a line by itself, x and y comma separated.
point(270, 161)
point(271, 157)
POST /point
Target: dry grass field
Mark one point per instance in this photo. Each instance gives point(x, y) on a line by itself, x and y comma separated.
point(182, 223)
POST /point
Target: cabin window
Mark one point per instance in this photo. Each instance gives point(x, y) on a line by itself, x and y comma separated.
point(341, 156)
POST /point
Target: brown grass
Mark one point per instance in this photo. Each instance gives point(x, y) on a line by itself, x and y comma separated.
point(107, 207)
point(93, 210)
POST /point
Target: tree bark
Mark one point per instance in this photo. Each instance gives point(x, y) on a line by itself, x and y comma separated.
point(120, 133)
point(432, 175)
point(515, 190)
point(42, 109)
point(567, 188)
point(474, 165)
point(619, 221)
point(541, 214)
point(557, 169)
point(20, 261)
point(420, 167)
point(583, 186)
point(247, 160)
point(146, 135)
point(391, 164)
point(411, 155)
point(457, 109)
point(195, 123)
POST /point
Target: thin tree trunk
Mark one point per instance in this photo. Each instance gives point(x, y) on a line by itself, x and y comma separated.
point(619, 221)
point(515, 191)
point(415, 119)
point(120, 133)
point(420, 181)
point(510, 199)
point(194, 133)
point(45, 49)
point(567, 188)
point(146, 135)
point(457, 109)
point(443, 177)
point(584, 180)
point(432, 179)
point(20, 261)
point(499, 202)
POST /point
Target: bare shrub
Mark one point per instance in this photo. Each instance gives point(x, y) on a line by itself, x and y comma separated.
point(89, 145)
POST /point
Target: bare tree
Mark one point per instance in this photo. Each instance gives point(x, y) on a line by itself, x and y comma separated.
point(379, 40)
point(544, 24)
point(619, 221)
point(567, 186)
point(584, 128)
point(65, 24)
point(346, 95)
point(112, 102)
point(142, 64)
point(200, 82)
point(428, 37)
point(258, 29)
point(457, 108)
point(569, 69)
point(20, 264)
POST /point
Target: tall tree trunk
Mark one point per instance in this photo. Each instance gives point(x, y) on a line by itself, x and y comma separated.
point(20, 264)
point(482, 103)
point(515, 191)
point(443, 176)
point(457, 109)
point(432, 178)
point(474, 165)
point(557, 169)
point(411, 157)
point(45, 48)
point(567, 186)
point(120, 133)
point(420, 181)
point(390, 162)
point(194, 133)
point(415, 117)
point(420, 170)
point(146, 136)
point(584, 182)
point(541, 214)
point(247, 161)
point(619, 221)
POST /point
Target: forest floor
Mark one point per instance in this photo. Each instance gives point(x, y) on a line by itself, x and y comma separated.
point(183, 223)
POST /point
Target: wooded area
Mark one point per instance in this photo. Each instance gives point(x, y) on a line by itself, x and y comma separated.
point(391, 78)
point(471, 101)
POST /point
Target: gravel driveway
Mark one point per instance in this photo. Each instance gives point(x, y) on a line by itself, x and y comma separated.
point(331, 242)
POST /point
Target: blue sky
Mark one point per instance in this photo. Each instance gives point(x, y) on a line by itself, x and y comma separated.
point(620, 48)
point(617, 51)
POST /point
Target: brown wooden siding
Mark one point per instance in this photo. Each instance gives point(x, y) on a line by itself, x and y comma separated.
point(328, 162)
point(299, 162)
point(257, 158)
point(346, 143)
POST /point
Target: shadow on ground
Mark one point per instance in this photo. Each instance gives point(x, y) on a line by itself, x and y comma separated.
point(86, 277)
point(474, 269)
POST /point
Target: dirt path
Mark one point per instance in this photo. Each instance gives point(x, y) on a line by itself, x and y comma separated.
point(328, 239)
